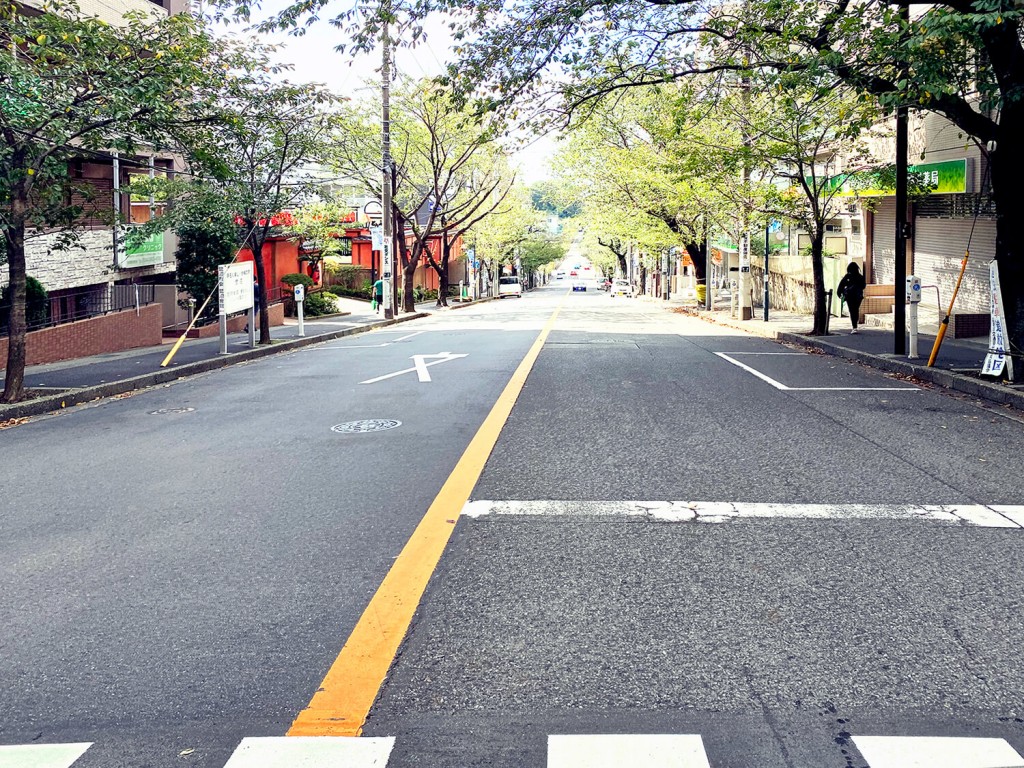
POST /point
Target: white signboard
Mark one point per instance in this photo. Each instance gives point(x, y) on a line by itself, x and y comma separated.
point(236, 287)
point(996, 360)
point(385, 261)
point(377, 238)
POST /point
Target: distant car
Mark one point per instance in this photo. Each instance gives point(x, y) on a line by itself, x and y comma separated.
point(510, 286)
point(604, 283)
point(573, 273)
point(560, 274)
point(579, 285)
point(620, 287)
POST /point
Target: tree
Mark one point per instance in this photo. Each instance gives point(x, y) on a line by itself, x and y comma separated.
point(449, 173)
point(963, 59)
point(808, 130)
point(258, 161)
point(73, 87)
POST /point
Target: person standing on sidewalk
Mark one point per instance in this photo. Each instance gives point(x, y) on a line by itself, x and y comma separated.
point(851, 290)
point(378, 296)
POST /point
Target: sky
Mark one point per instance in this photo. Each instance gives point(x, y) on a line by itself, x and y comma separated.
point(314, 59)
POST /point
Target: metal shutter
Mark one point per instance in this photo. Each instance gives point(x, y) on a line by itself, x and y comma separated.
point(939, 246)
point(883, 242)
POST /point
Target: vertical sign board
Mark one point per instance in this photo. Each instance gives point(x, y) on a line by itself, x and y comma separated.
point(996, 360)
point(235, 287)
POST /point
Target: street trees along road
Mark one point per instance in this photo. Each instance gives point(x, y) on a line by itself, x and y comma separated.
point(802, 128)
point(964, 60)
point(74, 87)
point(450, 172)
point(649, 168)
point(257, 161)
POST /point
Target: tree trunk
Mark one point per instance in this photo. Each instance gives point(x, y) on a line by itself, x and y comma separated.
point(442, 271)
point(623, 266)
point(699, 256)
point(14, 380)
point(408, 275)
point(643, 279)
point(1007, 168)
point(256, 245)
point(818, 272)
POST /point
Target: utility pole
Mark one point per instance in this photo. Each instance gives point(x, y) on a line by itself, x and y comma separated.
point(744, 305)
point(387, 256)
point(900, 278)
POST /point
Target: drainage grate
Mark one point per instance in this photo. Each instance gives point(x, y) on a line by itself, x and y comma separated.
point(366, 425)
point(162, 411)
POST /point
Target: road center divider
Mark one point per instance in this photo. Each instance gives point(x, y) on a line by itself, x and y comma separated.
point(343, 701)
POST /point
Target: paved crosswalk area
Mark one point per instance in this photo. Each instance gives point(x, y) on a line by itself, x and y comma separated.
point(563, 751)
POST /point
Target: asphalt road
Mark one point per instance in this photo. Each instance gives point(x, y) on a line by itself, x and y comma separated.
point(841, 560)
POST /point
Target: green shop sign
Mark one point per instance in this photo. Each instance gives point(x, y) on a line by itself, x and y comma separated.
point(945, 178)
point(150, 251)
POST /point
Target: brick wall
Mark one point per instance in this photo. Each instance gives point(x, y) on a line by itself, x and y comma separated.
point(97, 335)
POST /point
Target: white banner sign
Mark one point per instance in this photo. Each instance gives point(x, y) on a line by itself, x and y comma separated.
point(377, 238)
point(236, 287)
point(996, 360)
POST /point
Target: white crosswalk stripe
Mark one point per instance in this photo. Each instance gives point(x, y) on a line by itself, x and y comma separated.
point(634, 750)
point(312, 752)
point(937, 752)
point(41, 755)
point(627, 751)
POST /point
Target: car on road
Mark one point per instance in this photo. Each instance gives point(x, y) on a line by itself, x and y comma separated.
point(510, 286)
point(620, 287)
point(560, 274)
point(579, 285)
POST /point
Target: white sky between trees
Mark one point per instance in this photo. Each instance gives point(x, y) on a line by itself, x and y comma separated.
point(314, 59)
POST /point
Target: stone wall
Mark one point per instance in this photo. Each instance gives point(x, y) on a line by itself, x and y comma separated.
point(88, 263)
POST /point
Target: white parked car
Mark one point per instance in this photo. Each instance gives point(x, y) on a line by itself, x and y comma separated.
point(621, 287)
point(510, 286)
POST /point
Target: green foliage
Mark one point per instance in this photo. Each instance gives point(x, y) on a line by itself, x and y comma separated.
point(316, 304)
point(37, 304)
point(297, 278)
point(537, 253)
point(201, 249)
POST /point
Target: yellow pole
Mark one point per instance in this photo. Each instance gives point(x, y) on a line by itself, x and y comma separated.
point(179, 342)
point(945, 321)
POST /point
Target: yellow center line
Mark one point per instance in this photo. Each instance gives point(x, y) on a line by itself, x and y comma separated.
point(341, 704)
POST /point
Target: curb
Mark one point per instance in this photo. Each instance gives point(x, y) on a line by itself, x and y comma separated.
point(64, 400)
point(940, 376)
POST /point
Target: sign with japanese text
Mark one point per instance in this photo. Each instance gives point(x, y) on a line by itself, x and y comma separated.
point(235, 288)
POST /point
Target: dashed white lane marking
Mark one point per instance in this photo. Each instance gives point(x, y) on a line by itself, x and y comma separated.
point(312, 752)
point(937, 752)
point(980, 515)
point(627, 751)
point(780, 386)
point(41, 755)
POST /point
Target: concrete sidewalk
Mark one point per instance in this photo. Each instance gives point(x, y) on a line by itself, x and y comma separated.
point(957, 366)
point(71, 382)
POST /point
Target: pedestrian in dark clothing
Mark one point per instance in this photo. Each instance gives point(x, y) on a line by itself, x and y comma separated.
point(851, 290)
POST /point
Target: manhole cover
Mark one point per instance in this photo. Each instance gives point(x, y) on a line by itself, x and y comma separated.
point(366, 425)
point(162, 411)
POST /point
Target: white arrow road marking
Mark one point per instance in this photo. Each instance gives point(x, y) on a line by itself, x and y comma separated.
point(419, 366)
point(312, 752)
point(937, 752)
point(41, 755)
point(627, 751)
